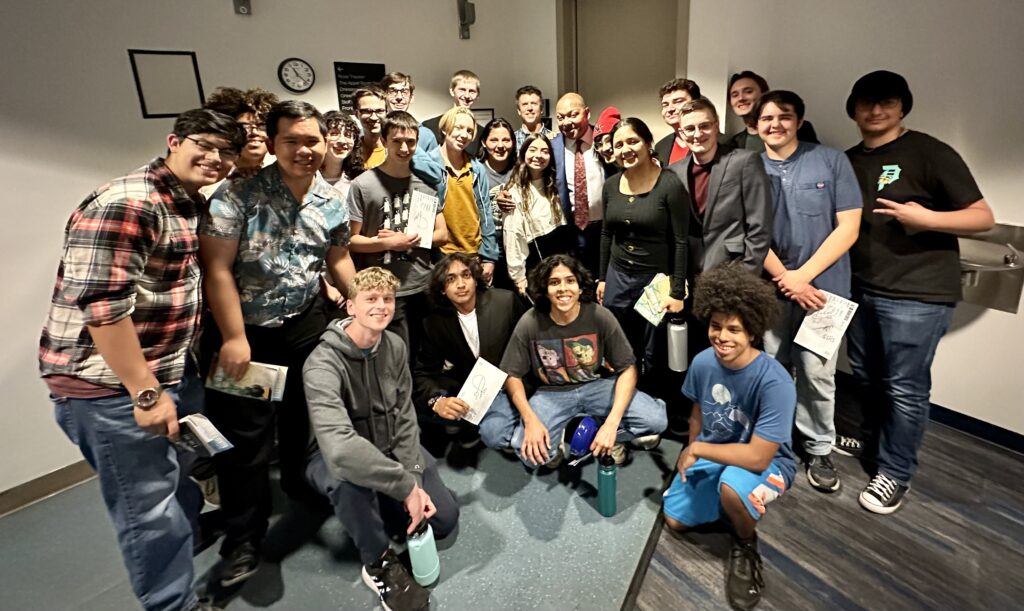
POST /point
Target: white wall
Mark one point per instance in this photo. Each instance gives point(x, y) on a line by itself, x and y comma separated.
point(963, 61)
point(70, 120)
point(626, 51)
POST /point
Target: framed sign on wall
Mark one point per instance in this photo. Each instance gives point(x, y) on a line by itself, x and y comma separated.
point(167, 82)
point(350, 76)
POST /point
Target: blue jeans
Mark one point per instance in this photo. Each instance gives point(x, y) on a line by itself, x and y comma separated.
point(145, 485)
point(502, 427)
point(891, 344)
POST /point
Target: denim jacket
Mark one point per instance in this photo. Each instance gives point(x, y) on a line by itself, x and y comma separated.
point(429, 167)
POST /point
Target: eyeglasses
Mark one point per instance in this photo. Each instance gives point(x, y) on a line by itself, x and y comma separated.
point(366, 112)
point(254, 128)
point(691, 130)
point(206, 147)
point(398, 92)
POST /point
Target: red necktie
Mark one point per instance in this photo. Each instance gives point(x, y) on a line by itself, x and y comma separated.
point(581, 209)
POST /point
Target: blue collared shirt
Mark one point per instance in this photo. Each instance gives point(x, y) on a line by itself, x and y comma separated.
point(808, 189)
point(282, 243)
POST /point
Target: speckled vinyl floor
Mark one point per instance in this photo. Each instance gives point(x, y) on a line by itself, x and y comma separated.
point(524, 542)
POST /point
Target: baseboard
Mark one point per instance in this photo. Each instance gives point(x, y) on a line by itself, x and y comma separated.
point(978, 428)
point(41, 487)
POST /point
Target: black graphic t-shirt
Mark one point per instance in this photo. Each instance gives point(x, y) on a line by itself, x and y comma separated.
point(888, 261)
point(557, 357)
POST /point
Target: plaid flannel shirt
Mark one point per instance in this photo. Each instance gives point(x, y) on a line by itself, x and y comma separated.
point(130, 250)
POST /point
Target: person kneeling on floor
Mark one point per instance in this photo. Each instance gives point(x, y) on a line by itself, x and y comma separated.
point(739, 457)
point(366, 455)
point(576, 355)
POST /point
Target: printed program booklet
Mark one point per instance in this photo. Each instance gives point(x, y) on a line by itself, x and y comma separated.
point(261, 381)
point(649, 305)
point(197, 434)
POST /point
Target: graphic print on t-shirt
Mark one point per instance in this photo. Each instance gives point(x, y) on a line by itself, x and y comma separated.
point(723, 420)
point(570, 360)
point(396, 218)
point(889, 175)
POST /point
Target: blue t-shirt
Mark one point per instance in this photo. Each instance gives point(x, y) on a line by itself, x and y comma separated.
point(808, 189)
point(737, 403)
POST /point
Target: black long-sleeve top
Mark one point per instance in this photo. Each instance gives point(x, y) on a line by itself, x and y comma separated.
point(646, 233)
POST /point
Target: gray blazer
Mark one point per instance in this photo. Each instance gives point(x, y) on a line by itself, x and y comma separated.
point(737, 223)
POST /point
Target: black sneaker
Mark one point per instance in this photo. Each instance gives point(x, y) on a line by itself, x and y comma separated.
point(240, 564)
point(882, 495)
point(397, 589)
point(848, 446)
point(822, 474)
point(744, 583)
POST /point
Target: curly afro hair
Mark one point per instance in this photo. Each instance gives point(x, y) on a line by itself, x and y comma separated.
point(732, 290)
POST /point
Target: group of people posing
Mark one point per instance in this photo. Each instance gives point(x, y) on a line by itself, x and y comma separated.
point(536, 246)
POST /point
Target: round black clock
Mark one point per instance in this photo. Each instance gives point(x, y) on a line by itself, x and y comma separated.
point(296, 75)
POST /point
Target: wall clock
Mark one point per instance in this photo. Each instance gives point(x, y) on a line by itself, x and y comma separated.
point(296, 75)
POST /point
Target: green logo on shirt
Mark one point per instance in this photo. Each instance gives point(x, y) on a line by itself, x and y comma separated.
point(889, 175)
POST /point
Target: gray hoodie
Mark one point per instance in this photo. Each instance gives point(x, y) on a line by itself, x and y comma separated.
point(361, 413)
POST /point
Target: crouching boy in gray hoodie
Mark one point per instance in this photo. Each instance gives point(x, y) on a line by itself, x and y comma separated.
point(366, 455)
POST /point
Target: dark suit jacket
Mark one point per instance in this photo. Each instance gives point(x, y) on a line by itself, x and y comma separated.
point(497, 312)
point(434, 125)
point(663, 148)
point(737, 223)
point(558, 153)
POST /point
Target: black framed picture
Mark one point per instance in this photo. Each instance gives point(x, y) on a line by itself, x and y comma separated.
point(168, 82)
point(483, 115)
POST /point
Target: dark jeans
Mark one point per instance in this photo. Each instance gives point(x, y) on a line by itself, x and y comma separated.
point(243, 473)
point(891, 344)
point(621, 293)
point(369, 517)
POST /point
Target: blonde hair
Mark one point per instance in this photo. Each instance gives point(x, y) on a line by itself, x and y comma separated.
point(372, 278)
point(447, 122)
point(465, 75)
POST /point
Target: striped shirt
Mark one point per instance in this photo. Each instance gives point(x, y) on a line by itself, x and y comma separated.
point(130, 250)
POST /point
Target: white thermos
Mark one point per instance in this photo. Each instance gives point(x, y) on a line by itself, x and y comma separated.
point(678, 352)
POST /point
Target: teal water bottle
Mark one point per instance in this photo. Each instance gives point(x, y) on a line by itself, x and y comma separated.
point(426, 566)
point(606, 485)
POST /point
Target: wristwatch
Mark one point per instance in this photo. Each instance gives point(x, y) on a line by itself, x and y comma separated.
point(431, 402)
point(147, 397)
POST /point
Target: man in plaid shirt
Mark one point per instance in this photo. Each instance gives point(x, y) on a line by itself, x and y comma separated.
point(114, 350)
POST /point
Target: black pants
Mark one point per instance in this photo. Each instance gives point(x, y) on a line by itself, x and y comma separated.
point(588, 246)
point(243, 473)
point(369, 517)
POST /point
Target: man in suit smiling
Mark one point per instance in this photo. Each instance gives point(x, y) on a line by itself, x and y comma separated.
point(469, 320)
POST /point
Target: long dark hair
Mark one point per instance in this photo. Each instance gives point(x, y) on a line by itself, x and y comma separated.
point(520, 179)
point(538, 283)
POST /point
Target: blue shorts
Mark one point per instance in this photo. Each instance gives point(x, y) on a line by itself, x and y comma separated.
point(698, 499)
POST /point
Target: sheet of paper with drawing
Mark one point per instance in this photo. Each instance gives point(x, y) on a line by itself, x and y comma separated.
point(821, 332)
point(480, 389)
point(422, 211)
